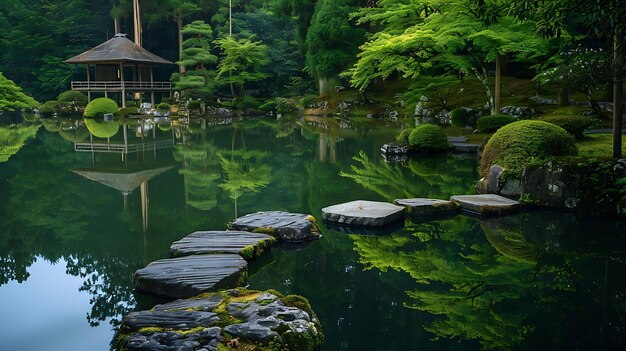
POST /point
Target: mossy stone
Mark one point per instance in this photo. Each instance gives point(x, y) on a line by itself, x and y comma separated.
point(516, 145)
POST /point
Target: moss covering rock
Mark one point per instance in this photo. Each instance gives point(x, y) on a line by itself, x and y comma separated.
point(237, 319)
point(99, 107)
point(428, 138)
point(518, 144)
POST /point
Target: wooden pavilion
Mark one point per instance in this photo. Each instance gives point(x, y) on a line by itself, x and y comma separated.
point(120, 66)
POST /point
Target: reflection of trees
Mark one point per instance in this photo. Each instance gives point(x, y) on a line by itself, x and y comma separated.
point(427, 176)
point(497, 291)
point(13, 138)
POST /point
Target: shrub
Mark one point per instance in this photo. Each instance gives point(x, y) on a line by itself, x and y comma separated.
point(458, 117)
point(492, 123)
point(574, 125)
point(50, 107)
point(572, 110)
point(308, 100)
point(284, 105)
point(268, 105)
point(72, 96)
point(101, 129)
point(516, 145)
point(164, 106)
point(194, 104)
point(100, 106)
point(403, 137)
point(428, 138)
point(246, 102)
point(131, 103)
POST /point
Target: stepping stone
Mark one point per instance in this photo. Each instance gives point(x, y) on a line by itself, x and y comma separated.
point(180, 320)
point(487, 204)
point(188, 276)
point(284, 226)
point(457, 139)
point(427, 207)
point(363, 213)
point(465, 147)
point(247, 244)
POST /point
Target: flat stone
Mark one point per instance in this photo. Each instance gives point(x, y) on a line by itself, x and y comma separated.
point(212, 242)
point(203, 304)
point(284, 226)
point(465, 147)
point(189, 276)
point(363, 213)
point(426, 207)
point(486, 204)
point(457, 139)
point(179, 320)
point(394, 149)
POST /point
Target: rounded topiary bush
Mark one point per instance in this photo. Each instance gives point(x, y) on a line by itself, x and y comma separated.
point(574, 125)
point(164, 106)
point(268, 105)
point(491, 123)
point(428, 138)
point(100, 106)
point(50, 107)
point(458, 117)
point(403, 137)
point(72, 96)
point(101, 129)
point(516, 145)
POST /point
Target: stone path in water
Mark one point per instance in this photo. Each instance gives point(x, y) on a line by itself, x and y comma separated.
point(363, 213)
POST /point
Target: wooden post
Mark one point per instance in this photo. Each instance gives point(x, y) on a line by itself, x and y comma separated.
point(88, 87)
point(152, 86)
point(498, 83)
point(137, 21)
point(122, 84)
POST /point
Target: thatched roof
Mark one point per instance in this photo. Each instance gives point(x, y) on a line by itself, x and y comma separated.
point(118, 49)
point(124, 181)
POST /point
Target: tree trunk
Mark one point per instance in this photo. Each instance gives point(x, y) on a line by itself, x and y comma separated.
point(618, 90)
point(179, 23)
point(483, 78)
point(496, 108)
point(563, 99)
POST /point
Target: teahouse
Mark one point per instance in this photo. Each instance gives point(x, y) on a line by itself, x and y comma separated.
point(120, 66)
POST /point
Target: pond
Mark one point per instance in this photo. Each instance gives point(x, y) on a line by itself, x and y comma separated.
point(83, 207)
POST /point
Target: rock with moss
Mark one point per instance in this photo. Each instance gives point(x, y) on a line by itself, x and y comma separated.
point(519, 144)
point(248, 245)
point(429, 138)
point(244, 319)
point(284, 226)
point(100, 106)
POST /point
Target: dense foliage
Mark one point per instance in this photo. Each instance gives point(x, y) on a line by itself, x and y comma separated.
point(491, 123)
point(100, 106)
point(428, 138)
point(516, 145)
point(573, 124)
point(12, 97)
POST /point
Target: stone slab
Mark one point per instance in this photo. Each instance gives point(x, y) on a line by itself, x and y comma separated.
point(457, 139)
point(394, 149)
point(189, 276)
point(363, 213)
point(427, 207)
point(180, 320)
point(213, 242)
point(284, 226)
point(486, 204)
point(465, 147)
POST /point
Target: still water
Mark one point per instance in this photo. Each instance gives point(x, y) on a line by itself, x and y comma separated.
point(83, 207)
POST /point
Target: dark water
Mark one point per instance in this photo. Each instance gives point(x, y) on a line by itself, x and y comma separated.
point(70, 239)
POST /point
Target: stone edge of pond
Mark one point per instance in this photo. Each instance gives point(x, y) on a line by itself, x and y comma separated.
point(264, 320)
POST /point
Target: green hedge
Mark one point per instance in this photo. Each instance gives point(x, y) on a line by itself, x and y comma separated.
point(71, 96)
point(574, 125)
point(268, 105)
point(403, 137)
point(428, 138)
point(50, 107)
point(491, 123)
point(164, 106)
point(458, 117)
point(100, 106)
point(516, 145)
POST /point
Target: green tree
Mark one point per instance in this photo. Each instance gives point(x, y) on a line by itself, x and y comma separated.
point(198, 79)
point(12, 97)
point(332, 41)
point(241, 62)
point(600, 18)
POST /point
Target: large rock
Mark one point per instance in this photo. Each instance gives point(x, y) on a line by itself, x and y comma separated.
point(252, 317)
point(191, 275)
point(247, 244)
point(519, 112)
point(363, 213)
point(427, 207)
point(394, 149)
point(284, 226)
point(486, 204)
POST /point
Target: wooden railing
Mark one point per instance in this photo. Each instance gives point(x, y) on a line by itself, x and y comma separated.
point(119, 86)
point(124, 148)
